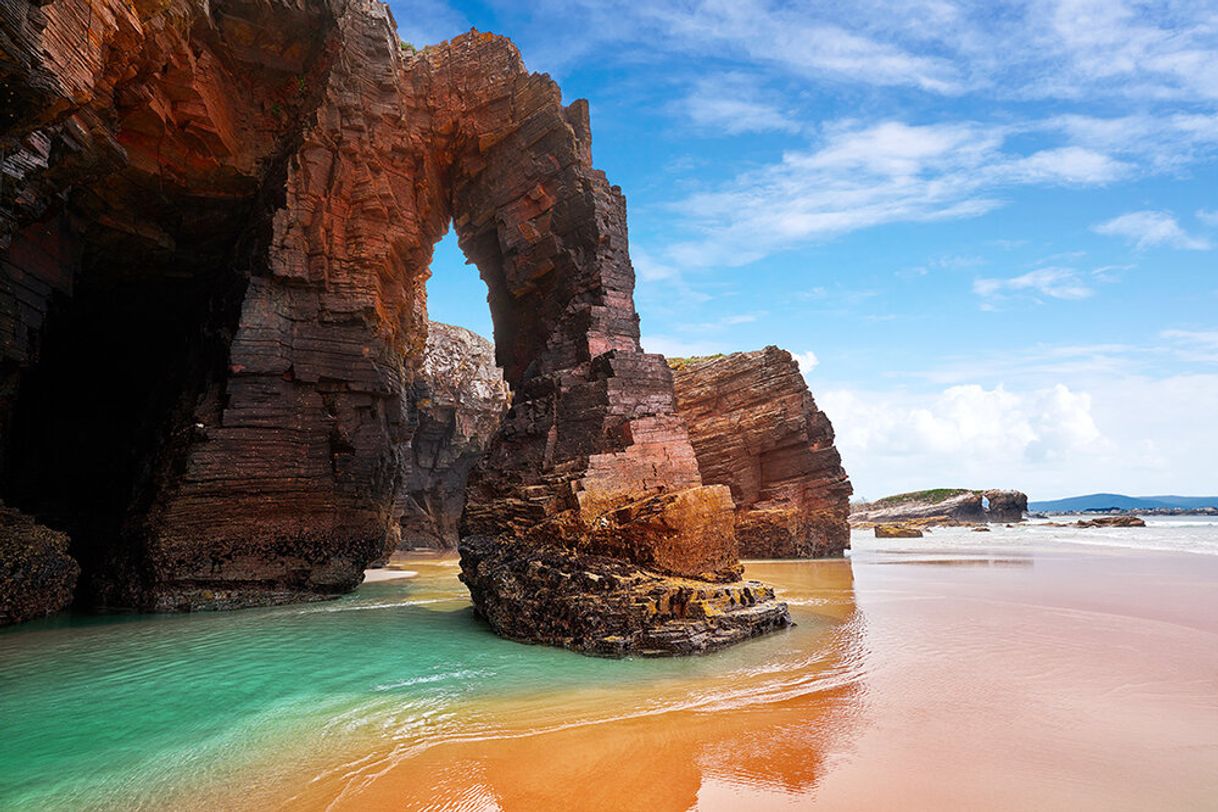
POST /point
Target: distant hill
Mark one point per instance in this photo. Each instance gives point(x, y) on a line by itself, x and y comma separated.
point(1106, 501)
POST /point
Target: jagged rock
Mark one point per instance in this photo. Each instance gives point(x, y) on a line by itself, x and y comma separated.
point(943, 506)
point(460, 397)
point(1005, 506)
point(221, 215)
point(897, 531)
point(37, 575)
point(602, 606)
point(1110, 521)
point(755, 428)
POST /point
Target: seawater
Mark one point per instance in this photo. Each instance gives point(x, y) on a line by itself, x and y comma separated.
point(397, 692)
point(149, 711)
point(1183, 534)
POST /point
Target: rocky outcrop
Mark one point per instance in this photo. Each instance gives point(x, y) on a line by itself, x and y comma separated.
point(459, 397)
point(604, 606)
point(944, 506)
point(1105, 521)
point(37, 576)
point(1005, 506)
point(897, 531)
point(221, 216)
point(756, 429)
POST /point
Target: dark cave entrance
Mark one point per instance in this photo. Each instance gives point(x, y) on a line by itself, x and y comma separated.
point(120, 365)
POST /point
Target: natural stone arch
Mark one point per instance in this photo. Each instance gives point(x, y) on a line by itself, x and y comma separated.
point(284, 477)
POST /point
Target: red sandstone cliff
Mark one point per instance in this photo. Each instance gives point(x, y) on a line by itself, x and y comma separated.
point(755, 428)
point(219, 218)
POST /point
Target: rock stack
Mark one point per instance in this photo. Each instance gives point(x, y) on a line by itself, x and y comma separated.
point(756, 429)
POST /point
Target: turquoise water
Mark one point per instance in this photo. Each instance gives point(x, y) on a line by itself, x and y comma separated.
point(152, 711)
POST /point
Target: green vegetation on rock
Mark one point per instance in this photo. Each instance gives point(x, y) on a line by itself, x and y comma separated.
point(933, 495)
point(682, 363)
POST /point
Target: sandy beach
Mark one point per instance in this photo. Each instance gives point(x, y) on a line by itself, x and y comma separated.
point(948, 673)
point(1025, 668)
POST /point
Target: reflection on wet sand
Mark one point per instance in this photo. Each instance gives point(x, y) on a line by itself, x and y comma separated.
point(999, 676)
point(964, 562)
point(760, 730)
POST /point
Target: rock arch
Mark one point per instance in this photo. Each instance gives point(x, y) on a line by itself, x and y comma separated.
point(280, 472)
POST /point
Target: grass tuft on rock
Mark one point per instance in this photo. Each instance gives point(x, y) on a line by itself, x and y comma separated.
point(932, 495)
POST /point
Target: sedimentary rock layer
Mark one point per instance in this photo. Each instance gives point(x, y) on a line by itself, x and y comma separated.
point(459, 397)
point(603, 606)
point(944, 506)
point(221, 216)
point(37, 576)
point(756, 429)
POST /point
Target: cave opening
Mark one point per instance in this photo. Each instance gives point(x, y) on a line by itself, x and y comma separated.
point(120, 364)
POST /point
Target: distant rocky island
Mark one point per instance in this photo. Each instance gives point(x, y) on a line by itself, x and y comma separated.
point(942, 506)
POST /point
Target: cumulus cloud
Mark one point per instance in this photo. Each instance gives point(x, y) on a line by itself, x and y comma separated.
point(965, 435)
point(966, 420)
point(1055, 283)
point(807, 361)
point(1147, 229)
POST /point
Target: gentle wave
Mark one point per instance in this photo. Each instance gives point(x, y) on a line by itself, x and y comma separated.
point(361, 607)
point(428, 679)
point(836, 665)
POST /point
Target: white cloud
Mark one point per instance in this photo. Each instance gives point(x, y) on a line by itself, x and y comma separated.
point(1209, 217)
point(965, 435)
point(1160, 143)
point(800, 41)
point(1156, 51)
point(1122, 434)
point(1056, 283)
point(1071, 164)
point(1199, 346)
point(1063, 49)
point(866, 175)
point(807, 361)
point(734, 103)
point(1147, 229)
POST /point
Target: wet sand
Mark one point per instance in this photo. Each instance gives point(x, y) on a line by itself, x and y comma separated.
point(996, 677)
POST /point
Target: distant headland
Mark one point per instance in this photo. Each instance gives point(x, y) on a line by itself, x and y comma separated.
point(1119, 503)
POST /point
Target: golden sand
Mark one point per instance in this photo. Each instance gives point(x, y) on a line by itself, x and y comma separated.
point(1059, 679)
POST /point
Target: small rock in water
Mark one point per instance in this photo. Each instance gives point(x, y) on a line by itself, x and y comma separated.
point(897, 531)
point(1111, 521)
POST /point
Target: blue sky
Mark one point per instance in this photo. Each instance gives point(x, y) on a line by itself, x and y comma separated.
point(989, 230)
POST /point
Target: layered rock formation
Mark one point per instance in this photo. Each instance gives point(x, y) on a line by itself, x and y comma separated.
point(37, 576)
point(755, 428)
point(217, 220)
point(459, 397)
point(944, 506)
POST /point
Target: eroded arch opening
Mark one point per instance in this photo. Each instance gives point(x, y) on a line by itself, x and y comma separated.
point(458, 398)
